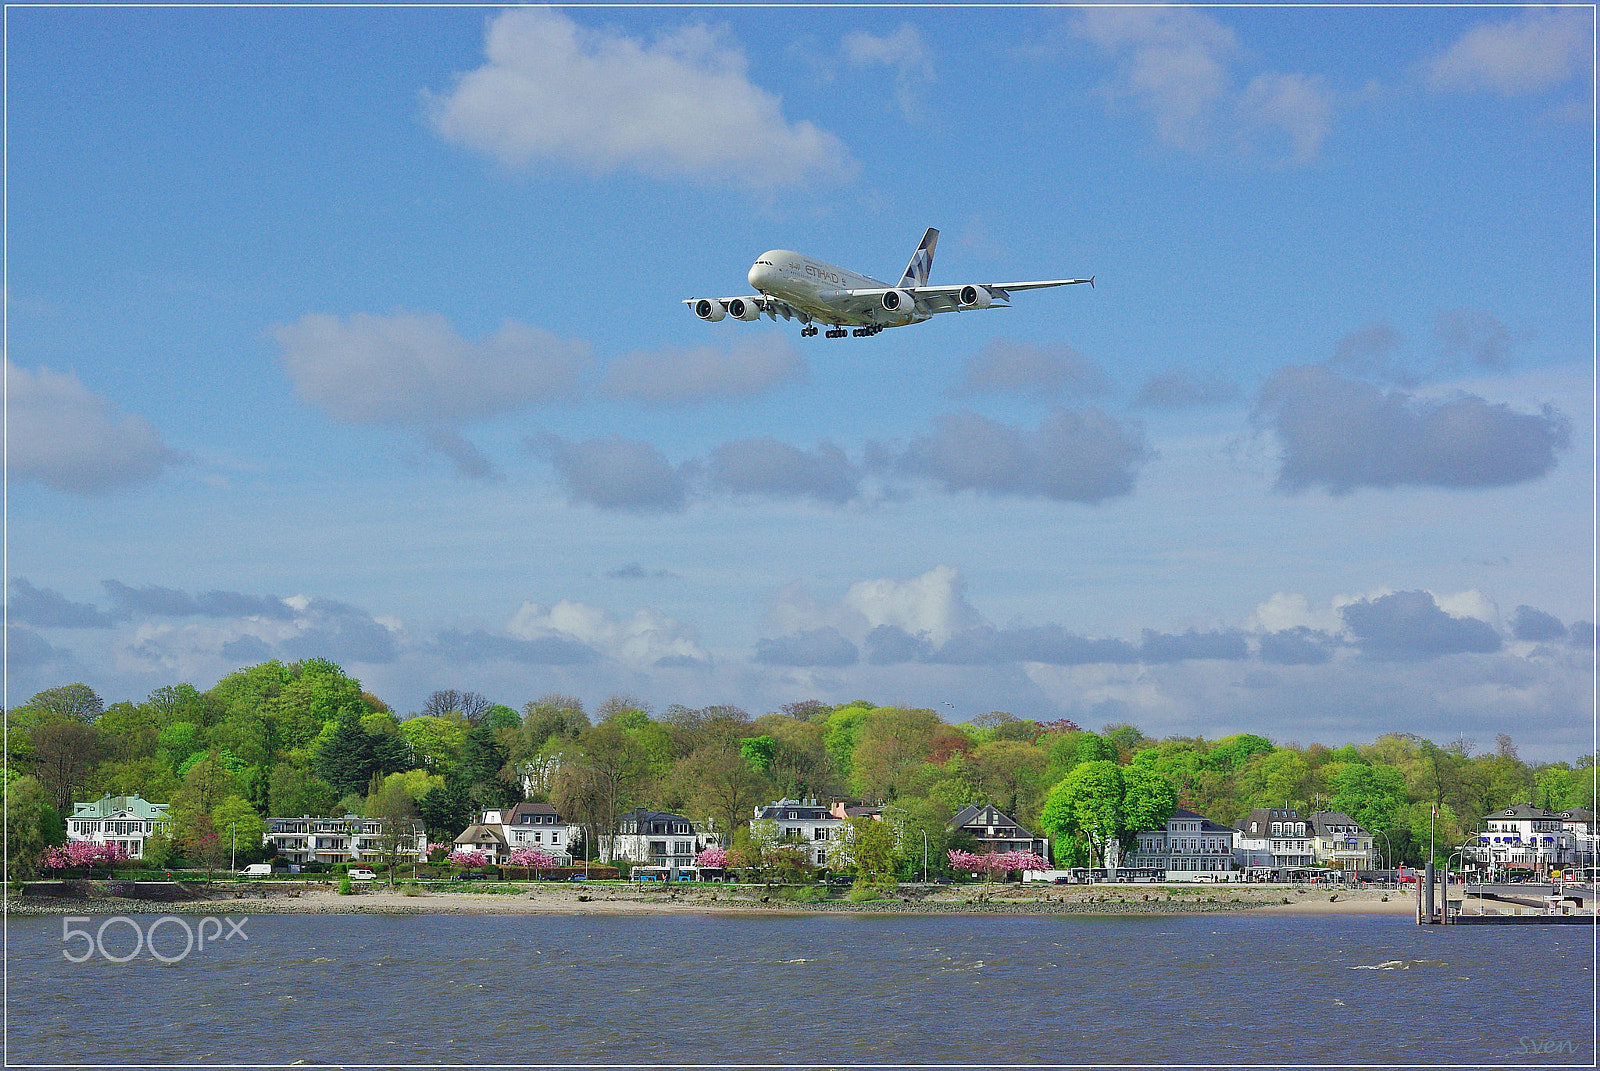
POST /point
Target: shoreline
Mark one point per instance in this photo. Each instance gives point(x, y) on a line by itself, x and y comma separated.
point(617, 900)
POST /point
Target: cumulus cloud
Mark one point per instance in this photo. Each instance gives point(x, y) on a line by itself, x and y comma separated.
point(1410, 625)
point(1047, 644)
point(1299, 646)
point(1536, 626)
point(1297, 106)
point(1472, 335)
point(614, 473)
point(1179, 64)
point(673, 377)
point(904, 52)
point(816, 647)
point(767, 466)
point(325, 628)
point(46, 608)
point(889, 646)
point(1537, 50)
point(681, 107)
point(171, 602)
point(413, 370)
point(26, 649)
point(477, 646)
point(1341, 434)
point(1184, 388)
point(1226, 645)
point(933, 605)
point(645, 639)
point(61, 434)
point(1076, 456)
point(1004, 366)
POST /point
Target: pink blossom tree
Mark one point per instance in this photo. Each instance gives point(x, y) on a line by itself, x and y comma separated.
point(532, 858)
point(469, 859)
point(992, 862)
point(714, 858)
point(84, 853)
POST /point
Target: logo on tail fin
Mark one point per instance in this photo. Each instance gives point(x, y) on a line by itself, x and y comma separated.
point(916, 273)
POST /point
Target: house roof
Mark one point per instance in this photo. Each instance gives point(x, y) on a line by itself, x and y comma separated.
point(1525, 811)
point(109, 806)
point(984, 815)
point(803, 811)
point(517, 814)
point(1323, 821)
point(1206, 824)
point(1263, 817)
point(480, 834)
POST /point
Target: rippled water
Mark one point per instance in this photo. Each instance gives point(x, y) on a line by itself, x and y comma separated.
point(811, 990)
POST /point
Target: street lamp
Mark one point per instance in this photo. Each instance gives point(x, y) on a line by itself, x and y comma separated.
point(233, 862)
point(1388, 853)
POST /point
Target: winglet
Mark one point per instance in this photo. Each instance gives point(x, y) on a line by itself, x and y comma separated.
point(1091, 282)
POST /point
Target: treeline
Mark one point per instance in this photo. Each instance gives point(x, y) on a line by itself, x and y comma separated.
point(304, 738)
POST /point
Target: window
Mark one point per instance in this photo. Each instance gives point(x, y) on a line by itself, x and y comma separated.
point(819, 833)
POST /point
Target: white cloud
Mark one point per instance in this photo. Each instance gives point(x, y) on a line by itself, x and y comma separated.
point(1535, 51)
point(933, 605)
point(1178, 64)
point(645, 639)
point(414, 370)
point(904, 51)
point(61, 434)
point(682, 107)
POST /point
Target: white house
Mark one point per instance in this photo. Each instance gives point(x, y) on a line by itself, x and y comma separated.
point(656, 838)
point(996, 831)
point(1273, 838)
point(1188, 843)
point(805, 822)
point(338, 840)
point(1579, 823)
point(124, 820)
point(1525, 837)
point(1338, 841)
point(533, 825)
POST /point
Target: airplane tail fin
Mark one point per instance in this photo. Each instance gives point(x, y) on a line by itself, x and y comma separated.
point(916, 273)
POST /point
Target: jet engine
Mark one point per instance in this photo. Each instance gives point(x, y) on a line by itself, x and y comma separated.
point(898, 300)
point(975, 297)
point(743, 309)
point(707, 309)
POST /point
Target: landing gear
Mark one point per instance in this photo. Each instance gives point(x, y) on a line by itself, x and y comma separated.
point(840, 332)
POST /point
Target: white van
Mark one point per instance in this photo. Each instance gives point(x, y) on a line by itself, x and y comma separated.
point(361, 873)
point(258, 870)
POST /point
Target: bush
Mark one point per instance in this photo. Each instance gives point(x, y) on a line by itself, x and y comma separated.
point(345, 888)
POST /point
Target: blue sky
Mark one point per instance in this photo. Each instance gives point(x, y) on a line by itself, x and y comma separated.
point(357, 332)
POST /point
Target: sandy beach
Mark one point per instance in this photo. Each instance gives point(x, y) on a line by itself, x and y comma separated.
point(599, 899)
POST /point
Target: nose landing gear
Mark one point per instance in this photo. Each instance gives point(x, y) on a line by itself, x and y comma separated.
point(808, 331)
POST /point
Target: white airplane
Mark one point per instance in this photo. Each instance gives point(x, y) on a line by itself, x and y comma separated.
point(793, 285)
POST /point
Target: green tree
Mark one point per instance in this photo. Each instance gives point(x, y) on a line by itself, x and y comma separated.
point(1103, 805)
point(32, 825)
point(293, 791)
point(345, 759)
point(239, 828)
point(866, 847)
point(759, 752)
point(70, 702)
point(396, 813)
point(65, 753)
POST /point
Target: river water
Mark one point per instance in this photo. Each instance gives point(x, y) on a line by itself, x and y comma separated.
point(813, 990)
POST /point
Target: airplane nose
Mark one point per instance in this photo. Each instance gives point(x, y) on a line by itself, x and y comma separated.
point(759, 274)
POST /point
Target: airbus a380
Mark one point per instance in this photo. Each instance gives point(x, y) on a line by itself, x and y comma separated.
point(795, 286)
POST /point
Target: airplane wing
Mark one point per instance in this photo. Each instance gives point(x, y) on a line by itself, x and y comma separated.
point(949, 298)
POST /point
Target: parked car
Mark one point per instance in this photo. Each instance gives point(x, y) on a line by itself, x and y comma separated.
point(579, 877)
point(361, 873)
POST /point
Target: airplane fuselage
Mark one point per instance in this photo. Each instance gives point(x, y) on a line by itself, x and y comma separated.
point(816, 288)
